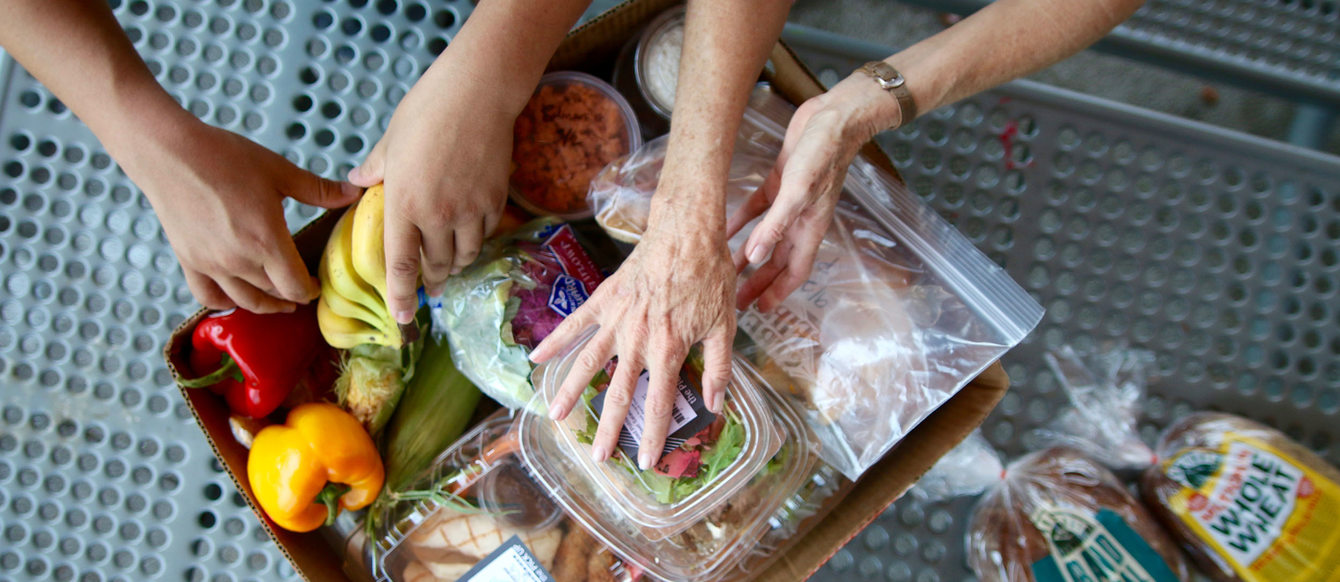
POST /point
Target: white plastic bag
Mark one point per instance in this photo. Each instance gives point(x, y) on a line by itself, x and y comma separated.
point(899, 313)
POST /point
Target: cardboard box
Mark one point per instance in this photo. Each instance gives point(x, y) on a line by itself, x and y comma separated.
point(592, 48)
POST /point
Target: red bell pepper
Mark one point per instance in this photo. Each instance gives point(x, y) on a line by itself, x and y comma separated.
point(254, 360)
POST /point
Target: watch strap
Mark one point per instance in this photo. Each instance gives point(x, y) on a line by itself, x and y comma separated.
point(892, 81)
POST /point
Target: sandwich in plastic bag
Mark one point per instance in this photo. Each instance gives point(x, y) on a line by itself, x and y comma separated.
point(899, 313)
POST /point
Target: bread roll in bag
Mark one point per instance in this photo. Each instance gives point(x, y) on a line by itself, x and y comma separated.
point(1059, 516)
point(1246, 502)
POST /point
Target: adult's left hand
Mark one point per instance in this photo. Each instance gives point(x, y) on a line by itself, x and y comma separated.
point(673, 291)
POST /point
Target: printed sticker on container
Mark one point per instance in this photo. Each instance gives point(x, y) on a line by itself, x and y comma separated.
point(1269, 517)
point(1087, 547)
point(688, 416)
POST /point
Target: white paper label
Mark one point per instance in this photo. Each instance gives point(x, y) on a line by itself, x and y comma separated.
point(511, 562)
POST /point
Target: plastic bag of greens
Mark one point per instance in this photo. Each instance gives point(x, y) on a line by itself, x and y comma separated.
point(512, 297)
point(899, 313)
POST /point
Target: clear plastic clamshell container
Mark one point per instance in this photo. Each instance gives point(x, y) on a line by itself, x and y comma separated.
point(640, 495)
point(709, 547)
point(483, 497)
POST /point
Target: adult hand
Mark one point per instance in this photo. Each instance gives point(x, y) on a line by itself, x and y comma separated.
point(219, 198)
point(800, 193)
point(444, 162)
point(673, 291)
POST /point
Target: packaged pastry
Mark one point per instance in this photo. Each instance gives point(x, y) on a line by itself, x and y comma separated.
point(1060, 513)
point(1247, 503)
point(476, 511)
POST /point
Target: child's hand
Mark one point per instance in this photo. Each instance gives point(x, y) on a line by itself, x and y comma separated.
point(444, 161)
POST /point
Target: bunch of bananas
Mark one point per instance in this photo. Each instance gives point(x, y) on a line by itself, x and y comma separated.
point(352, 310)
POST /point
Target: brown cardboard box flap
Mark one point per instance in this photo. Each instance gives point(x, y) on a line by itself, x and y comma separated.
point(593, 47)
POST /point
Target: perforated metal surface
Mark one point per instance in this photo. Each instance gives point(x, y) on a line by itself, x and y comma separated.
point(103, 475)
point(1285, 47)
point(1218, 251)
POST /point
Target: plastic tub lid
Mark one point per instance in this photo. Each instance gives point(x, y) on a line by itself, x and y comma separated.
point(574, 125)
point(629, 489)
point(660, 47)
point(714, 545)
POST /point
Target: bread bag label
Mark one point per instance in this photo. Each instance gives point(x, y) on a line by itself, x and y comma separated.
point(1267, 515)
point(1084, 546)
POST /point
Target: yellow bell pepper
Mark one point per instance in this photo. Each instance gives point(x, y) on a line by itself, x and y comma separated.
point(298, 469)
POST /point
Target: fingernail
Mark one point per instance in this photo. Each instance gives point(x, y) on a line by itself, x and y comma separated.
point(354, 173)
point(555, 414)
point(757, 254)
point(404, 316)
point(644, 460)
point(598, 454)
point(716, 402)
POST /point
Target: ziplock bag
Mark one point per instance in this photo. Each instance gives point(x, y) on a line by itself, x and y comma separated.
point(512, 297)
point(899, 313)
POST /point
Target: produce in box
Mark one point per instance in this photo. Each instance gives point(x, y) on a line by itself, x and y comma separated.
point(717, 544)
point(353, 314)
point(688, 462)
point(299, 470)
point(517, 291)
point(256, 360)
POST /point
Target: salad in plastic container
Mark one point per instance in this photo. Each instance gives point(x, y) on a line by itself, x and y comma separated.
point(708, 459)
point(470, 511)
point(713, 546)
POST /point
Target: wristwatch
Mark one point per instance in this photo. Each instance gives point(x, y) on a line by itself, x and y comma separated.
point(892, 81)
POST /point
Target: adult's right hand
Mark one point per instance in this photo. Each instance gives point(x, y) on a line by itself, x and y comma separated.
point(219, 198)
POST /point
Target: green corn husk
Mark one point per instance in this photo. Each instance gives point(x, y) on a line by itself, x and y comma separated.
point(372, 381)
point(434, 411)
